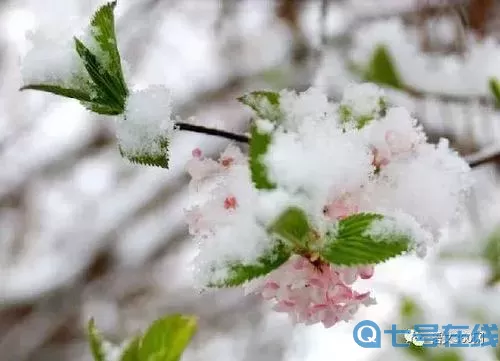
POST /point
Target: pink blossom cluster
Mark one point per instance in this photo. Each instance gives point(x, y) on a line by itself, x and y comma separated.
point(314, 292)
point(331, 169)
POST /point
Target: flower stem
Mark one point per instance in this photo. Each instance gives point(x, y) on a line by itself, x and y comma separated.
point(211, 131)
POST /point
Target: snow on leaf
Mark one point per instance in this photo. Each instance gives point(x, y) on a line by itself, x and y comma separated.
point(352, 246)
point(145, 128)
point(265, 104)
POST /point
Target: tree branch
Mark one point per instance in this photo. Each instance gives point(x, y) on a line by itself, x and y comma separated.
point(474, 160)
point(211, 131)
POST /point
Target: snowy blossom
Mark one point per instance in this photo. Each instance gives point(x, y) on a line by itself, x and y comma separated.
point(331, 167)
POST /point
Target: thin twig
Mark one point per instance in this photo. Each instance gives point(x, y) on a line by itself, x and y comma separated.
point(473, 160)
point(211, 131)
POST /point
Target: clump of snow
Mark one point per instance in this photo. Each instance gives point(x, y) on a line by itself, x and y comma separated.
point(147, 122)
point(331, 172)
point(309, 106)
point(264, 126)
point(365, 100)
point(52, 58)
point(53, 61)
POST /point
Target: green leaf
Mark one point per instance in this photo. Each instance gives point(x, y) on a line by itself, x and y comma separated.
point(167, 338)
point(351, 246)
point(259, 144)
point(159, 159)
point(96, 342)
point(240, 273)
point(491, 254)
point(131, 351)
point(292, 225)
point(102, 108)
point(381, 69)
point(494, 86)
point(103, 31)
point(106, 91)
point(410, 309)
point(110, 91)
point(265, 104)
point(59, 90)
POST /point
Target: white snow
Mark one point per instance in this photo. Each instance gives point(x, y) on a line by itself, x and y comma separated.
point(146, 123)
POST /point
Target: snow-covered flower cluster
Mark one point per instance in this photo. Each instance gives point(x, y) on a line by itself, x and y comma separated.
point(332, 161)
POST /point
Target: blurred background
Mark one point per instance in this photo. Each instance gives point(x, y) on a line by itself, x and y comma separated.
point(83, 233)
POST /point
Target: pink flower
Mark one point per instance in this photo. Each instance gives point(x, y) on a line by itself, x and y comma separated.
point(312, 292)
point(197, 153)
point(340, 208)
point(395, 143)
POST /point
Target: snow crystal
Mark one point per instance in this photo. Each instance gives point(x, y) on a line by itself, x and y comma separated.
point(147, 122)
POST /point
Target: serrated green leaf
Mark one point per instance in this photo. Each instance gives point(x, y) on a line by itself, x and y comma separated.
point(292, 225)
point(239, 273)
point(103, 31)
point(110, 91)
point(381, 69)
point(59, 90)
point(259, 144)
point(131, 351)
point(494, 86)
point(95, 341)
point(159, 159)
point(101, 108)
point(265, 104)
point(167, 338)
point(351, 246)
